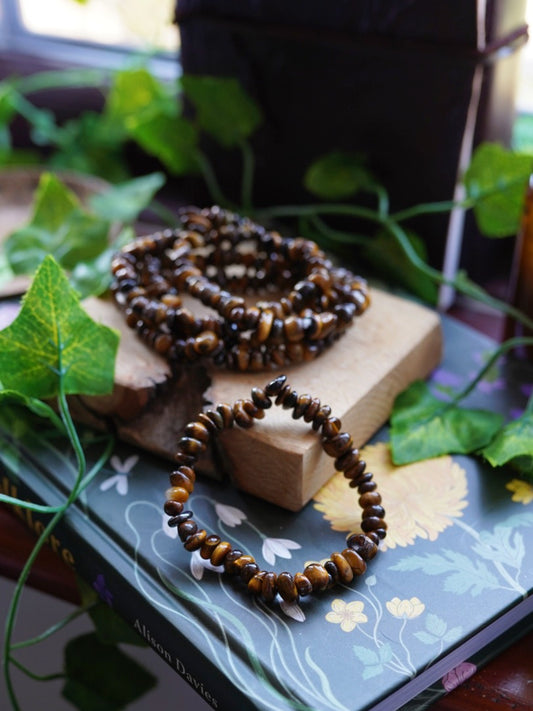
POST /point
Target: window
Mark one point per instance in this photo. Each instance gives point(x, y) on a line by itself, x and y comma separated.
point(93, 33)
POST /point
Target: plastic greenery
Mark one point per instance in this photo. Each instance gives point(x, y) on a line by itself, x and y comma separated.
point(52, 350)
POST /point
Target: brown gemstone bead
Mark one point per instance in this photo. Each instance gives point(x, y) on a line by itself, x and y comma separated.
point(372, 523)
point(240, 562)
point(330, 428)
point(370, 498)
point(209, 545)
point(317, 576)
point(312, 409)
point(374, 510)
point(338, 444)
point(195, 541)
point(362, 545)
point(205, 343)
point(377, 535)
point(220, 552)
point(187, 528)
point(357, 564)
point(173, 508)
point(303, 584)
point(269, 587)
point(241, 417)
point(293, 329)
point(197, 430)
point(207, 422)
point(183, 471)
point(178, 479)
point(226, 412)
point(356, 469)
point(275, 386)
point(367, 486)
point(216, 418)
point(261, 399)
point(302, 403)
point(248, 571)
point(332, 571)
point(350, 460)
point(184, 459)
point(344, 569)
point(264, 324)
point(287, 587)
point(229, 560)
point(250, 408)
point(321, 416)
point(177, 493)
point(255, 584)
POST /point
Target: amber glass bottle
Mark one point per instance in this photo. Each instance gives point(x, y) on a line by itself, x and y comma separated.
point(521, 282)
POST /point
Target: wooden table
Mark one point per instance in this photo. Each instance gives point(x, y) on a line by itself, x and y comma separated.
point(505, 683)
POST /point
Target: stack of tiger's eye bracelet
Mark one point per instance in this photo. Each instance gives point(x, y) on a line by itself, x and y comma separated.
point(341, 567)
point(220, 258)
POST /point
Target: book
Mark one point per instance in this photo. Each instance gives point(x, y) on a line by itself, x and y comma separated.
point(451, 586)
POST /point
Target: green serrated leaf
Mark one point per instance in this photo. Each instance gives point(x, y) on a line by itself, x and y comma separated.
point(224, 110)
point(53, 337)
point(58, 226)
point(513, 445)
point(423, 427)
point(134, 92)
point(171, 139)
point(124, 202)
point(111, 629)
point(337, 176)
point(100, 677)
point(496, 179)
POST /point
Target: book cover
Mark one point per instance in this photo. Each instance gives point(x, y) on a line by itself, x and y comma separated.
point(455, 574)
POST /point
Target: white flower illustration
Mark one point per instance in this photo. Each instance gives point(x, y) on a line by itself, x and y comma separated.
point(120, 479)
point(230, 515)
point(292, 609)
point(281, 547)
point(170, 531)
point(199, 564)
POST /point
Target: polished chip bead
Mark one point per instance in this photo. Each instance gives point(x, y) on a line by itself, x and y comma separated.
point(195, 541)
point(362, 545)
point(220, 552)
point(177, 493)
point(317, 576)
point(303, 584)
point(209, 545)
point(269, 587)
point(345, 572)
point(355, 561)
point(287, 587)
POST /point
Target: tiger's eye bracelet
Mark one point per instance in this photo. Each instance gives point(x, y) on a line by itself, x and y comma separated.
point(219, 258)
point(341, 567)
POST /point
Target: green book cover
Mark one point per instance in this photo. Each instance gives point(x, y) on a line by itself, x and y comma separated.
point(454, 575)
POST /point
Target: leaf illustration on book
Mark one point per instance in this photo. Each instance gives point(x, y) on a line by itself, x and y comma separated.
point(436, 630)
point(462, 574)
point(280, 547)
point(501, 545)
point(373, 662)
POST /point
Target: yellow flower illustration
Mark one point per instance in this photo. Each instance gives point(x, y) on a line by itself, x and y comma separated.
point(420, 499)
point(347, 614)
point(405, 609)
point(523, 491)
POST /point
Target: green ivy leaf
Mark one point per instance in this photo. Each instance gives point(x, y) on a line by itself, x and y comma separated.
point(496, 179)
point(170, 138)
point(513, 445)
point(100, 677)
point(135, 92)
point(53, 337)
point(384, 252)
point(93, 277)
point(337, 176)
point(224, 110)
point(124, 202)
point(58, 226)
point(423, 427)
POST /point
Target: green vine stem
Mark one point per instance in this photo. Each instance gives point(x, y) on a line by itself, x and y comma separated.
point(82, 480)
point(36, 677)
point(211, 180)
point(78, 612)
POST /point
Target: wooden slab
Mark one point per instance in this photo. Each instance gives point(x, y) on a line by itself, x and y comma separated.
point(280, 460)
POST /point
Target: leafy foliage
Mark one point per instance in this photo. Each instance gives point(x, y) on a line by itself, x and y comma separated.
point(52, 338)
point(512, 445)
point(422, 426)
point(496, 181)
point(337, 176)
point(100, 677)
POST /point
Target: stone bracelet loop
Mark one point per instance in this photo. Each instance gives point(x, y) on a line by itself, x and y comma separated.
point(341, 567)
point(220, 259)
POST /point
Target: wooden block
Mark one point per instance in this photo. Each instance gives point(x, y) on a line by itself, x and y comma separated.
point(280, 460)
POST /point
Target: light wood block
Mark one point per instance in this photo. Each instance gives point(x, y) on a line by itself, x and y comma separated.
point(280, 459)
